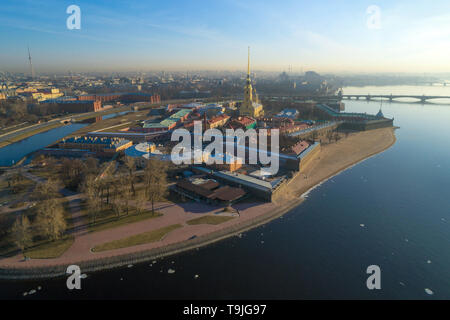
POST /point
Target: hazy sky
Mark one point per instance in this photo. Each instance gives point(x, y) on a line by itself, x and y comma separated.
point(326, 36)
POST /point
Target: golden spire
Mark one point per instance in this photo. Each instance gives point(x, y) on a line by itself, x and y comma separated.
point(248, 66)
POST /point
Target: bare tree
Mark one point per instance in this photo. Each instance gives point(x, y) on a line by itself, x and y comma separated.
point(130, 163)
point(91, 166)
point(50, 219)
point(329, 136)
point(72, 173)
point(155, 181)
point(94, 202)
point(337, 136)
point(141, 201)
point(21, 233)
point(120, 196)
point(46, 190)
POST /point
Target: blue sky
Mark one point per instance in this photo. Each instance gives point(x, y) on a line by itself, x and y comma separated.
point(327, 36)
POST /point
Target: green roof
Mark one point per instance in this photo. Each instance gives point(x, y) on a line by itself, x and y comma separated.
point(180, 114)
point(173, 119)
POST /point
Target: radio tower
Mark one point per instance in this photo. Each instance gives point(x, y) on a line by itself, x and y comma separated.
point(31, 64)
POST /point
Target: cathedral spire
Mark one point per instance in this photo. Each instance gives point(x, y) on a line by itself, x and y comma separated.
point(248, 66)
point(250, 105)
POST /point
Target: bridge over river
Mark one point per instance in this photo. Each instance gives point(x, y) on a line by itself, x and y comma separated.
point(368, 97)
point(391, 97)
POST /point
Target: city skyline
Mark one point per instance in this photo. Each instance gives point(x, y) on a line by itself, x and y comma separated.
point(131, 36)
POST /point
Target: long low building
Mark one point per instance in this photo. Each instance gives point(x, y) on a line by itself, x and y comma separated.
point(76, 106)
point(209, 191)
point(123, 96)
point(166, 124)
point(95, 144)
point(259, 188)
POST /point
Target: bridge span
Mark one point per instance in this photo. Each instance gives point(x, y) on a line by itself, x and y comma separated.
point(391, 97)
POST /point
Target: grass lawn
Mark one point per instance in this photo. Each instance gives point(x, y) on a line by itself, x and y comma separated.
point(209, 220)
point(49, 250)
point(45, 172)
point(7, 195)
point(138, 239)
point(109, 220)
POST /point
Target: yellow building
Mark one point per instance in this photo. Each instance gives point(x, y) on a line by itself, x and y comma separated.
point(47, 94)
point(250, 106)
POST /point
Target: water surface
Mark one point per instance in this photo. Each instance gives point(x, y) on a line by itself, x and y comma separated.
point(16, 151)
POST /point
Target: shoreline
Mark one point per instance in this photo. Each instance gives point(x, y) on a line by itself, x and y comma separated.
point(295, 196)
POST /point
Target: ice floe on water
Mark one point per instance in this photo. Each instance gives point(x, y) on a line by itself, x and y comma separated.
point(170, 271)
point(83, 276)
point(32, 291)
point(130, 266)
point(429, 291)
point(429, 261)
point(362, 225)
point(402, 284)
point(196, 276)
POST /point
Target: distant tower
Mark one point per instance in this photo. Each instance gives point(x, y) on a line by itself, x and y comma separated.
point(31, 64)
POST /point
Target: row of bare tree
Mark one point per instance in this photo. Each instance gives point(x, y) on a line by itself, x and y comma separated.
point(49, 221)
point(110, 190)
point(118, 190)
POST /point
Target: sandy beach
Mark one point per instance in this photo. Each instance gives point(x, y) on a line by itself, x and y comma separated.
point(333, 159)
point(339, 156)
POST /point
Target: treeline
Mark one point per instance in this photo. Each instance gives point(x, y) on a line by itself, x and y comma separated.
point(15, 112)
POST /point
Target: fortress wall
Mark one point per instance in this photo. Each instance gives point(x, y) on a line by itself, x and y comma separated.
point(313, 154)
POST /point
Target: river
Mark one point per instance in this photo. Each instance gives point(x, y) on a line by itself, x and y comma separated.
point(16, 151)
point(392, 210)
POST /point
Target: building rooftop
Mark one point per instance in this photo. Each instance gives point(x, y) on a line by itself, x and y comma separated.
point(179, 114)
point(218, 118)
point(67, 101)
point(288, 113)
point(300, 146)
point(106, 142)
point(240, 179)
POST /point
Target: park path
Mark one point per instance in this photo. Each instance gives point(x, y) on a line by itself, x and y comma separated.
point(171, 214)
point(74, 203)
